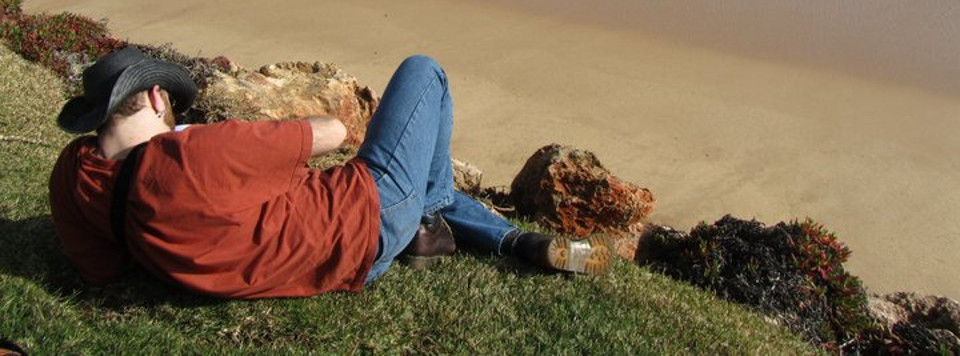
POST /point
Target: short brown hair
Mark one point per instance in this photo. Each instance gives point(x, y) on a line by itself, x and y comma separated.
point(138, 101)
point(131, 104)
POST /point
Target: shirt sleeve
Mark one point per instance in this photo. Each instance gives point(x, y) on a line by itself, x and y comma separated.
point(230, 163)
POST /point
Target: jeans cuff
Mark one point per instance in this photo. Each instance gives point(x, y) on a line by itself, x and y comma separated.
point(499, 250)
point(439, 205)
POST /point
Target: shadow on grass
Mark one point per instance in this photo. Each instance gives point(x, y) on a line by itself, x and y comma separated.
point(31, 250)
point(507, 264)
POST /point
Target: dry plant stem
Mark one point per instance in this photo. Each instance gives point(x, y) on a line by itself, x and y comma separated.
point(8, 138)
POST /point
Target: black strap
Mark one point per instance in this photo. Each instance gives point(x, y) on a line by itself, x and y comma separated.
point(118, 207)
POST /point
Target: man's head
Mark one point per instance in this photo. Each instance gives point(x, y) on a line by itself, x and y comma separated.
point(142, 100)
point(128, 80)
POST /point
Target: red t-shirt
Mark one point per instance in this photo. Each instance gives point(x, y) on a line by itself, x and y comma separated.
point(228, 209)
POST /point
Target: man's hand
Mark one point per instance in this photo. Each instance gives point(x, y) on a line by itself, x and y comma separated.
point(328, 134)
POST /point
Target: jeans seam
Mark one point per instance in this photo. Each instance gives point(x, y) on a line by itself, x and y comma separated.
point(386, 213)
point(406, 126)
point(405, 198)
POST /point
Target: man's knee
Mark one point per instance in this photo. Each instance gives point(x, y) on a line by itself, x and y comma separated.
point(421, 63)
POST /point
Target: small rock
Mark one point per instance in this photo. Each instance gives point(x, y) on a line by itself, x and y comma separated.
point(225, 64)
point(466, 177)
point(626, 247)
point(647, 250)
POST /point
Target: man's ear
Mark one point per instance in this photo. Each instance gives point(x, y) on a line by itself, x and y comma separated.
point(155, 95)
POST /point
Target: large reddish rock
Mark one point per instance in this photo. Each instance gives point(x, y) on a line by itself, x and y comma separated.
point(568, 190)
point(287, 90)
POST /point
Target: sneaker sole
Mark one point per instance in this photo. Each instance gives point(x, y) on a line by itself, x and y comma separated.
point(590, 256)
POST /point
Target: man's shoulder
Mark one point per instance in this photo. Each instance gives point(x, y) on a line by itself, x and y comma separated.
point(77, 147)
point(81, 142)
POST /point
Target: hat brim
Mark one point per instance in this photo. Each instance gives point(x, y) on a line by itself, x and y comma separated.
point(80, 116)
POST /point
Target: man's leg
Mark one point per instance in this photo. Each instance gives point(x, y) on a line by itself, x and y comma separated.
point(473, 223)
point(470, 221)
point(407, 149)
point(399, 150)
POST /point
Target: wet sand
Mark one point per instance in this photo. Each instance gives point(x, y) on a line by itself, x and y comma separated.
point(852, 124)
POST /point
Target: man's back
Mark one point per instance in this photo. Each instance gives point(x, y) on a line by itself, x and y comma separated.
point(227, 209)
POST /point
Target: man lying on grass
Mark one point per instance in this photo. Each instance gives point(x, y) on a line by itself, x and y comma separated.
point(231, 209)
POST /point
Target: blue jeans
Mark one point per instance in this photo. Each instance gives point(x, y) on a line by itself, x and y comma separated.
point(407, 148)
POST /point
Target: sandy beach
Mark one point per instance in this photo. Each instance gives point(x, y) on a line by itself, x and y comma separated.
point(845, 114)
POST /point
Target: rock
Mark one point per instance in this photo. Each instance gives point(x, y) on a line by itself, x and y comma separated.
point(885, 312)
point(287, 90)
point(932, 312)
point(648, 250)
point(912, 339)
point(627, 247)
point(466, 177)
point(568, 190)
point(923, 322)
point(947, 339)
point(225, 64)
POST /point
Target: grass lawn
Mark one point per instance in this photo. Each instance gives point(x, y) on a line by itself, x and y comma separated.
point(470, 304)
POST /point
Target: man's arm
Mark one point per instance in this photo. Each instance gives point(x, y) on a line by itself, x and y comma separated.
point(328, 134)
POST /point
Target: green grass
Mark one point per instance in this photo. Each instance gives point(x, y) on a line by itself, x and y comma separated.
point(471, 304)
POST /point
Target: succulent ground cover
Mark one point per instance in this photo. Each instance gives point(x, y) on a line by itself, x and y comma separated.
point(65, 42)
point(792, 272)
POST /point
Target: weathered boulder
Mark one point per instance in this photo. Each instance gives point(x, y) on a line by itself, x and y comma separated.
point(933, 312)
point(922, 324)
point(287, 90)
point(568, 190)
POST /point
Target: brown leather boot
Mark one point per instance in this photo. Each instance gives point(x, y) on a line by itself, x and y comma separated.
point(592, 255)
point(433, 240)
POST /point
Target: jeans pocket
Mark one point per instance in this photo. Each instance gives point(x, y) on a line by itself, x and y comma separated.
point(398, 224)
point(391, 190)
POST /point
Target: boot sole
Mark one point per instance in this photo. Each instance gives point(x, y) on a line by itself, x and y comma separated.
point(590, 256)
point(420, 262)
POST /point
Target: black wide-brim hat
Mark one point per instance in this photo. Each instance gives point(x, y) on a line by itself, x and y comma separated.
point(117, 76)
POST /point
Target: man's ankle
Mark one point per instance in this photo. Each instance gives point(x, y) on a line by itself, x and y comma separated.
point(507, 246)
